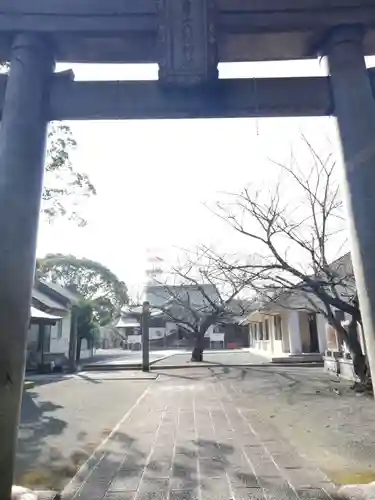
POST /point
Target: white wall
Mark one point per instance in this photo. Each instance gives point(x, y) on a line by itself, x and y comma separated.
point(32, 337)
point(85, 351)
point(294, 332)
point(277, 345)
point(321, 323)
point(304, 331)
point(285, 331)
point(264, 346)
point(61, 344)
point(159, 332)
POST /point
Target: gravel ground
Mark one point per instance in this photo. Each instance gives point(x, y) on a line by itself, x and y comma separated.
point(325, 420)
point(64, 420)
point(225, 357)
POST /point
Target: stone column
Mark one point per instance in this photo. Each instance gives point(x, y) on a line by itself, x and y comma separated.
point(354, 107)
point(295, 344)
point(22, 144)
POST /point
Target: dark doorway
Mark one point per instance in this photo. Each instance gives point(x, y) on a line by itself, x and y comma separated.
point(313, 329)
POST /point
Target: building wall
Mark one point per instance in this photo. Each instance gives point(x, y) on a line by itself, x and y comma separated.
point(321, 324)
point(285, 332)
point(263, 345)
point(295, 334)
point(85, 351)
point(32, 338)
point(295, 340)
point(304, 331)
point(60, 335)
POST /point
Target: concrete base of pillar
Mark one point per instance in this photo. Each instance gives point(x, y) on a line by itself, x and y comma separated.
point(21, 493)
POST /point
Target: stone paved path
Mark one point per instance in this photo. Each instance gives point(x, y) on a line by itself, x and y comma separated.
point(194, 436)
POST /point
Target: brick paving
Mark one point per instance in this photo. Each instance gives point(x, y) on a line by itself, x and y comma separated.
point(196, 435)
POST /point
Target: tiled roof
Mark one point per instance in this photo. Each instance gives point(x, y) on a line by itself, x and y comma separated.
point(44, 299)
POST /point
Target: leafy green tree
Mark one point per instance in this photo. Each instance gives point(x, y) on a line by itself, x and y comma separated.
point(86, 326)
point(64, 186)
point(93, 281)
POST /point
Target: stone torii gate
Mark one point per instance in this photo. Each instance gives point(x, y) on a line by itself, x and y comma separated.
point(187, 38)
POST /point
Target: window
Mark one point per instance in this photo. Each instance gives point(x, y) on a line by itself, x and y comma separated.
point(216, 329)
point(260, 331)
point(59, 329)
point(278, 329)
point(266, 330)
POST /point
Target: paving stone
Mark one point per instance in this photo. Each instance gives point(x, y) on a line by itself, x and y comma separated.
point(120, 495)
point(183, 495)
point(215, 489)
point(153, 489)
point(274, 483)
point(212, 468)
point(126, 479)
point(312, 494)
point(158, 469)
point(287, 460)
point(98, 482)
point(280, 493)
point(240, 478)
point(189, 444)
point(306, 478)
point(184, 476)
point(265, 468)
point(240, 493)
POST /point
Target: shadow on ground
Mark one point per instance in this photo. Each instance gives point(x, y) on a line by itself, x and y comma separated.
point(39, 464)
point(130, 469)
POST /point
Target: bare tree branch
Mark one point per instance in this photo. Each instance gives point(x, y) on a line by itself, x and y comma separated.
point(294, 237)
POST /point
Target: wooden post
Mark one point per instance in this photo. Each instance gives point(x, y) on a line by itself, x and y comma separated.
point(145, 337)
point(22, 145)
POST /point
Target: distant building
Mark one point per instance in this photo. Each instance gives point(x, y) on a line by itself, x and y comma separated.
point(49, 334)
point(287, 327)
point(162, 331)
point(227, 332)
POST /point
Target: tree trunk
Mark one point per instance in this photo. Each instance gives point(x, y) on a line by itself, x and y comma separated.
point(359, 359)
point(350, 338)
point(79, 346)
point(197, 354)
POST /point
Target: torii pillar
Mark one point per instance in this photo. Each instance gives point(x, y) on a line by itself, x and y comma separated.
point(354, 108)
point(22, 144)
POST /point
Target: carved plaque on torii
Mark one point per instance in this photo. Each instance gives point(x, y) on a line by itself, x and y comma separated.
point(187, 42)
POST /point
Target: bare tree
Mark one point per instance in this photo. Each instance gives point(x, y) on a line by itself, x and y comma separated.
point(200, 293)
point(298, 227)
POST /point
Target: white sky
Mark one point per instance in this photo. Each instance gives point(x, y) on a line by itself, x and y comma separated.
point(154, 178)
